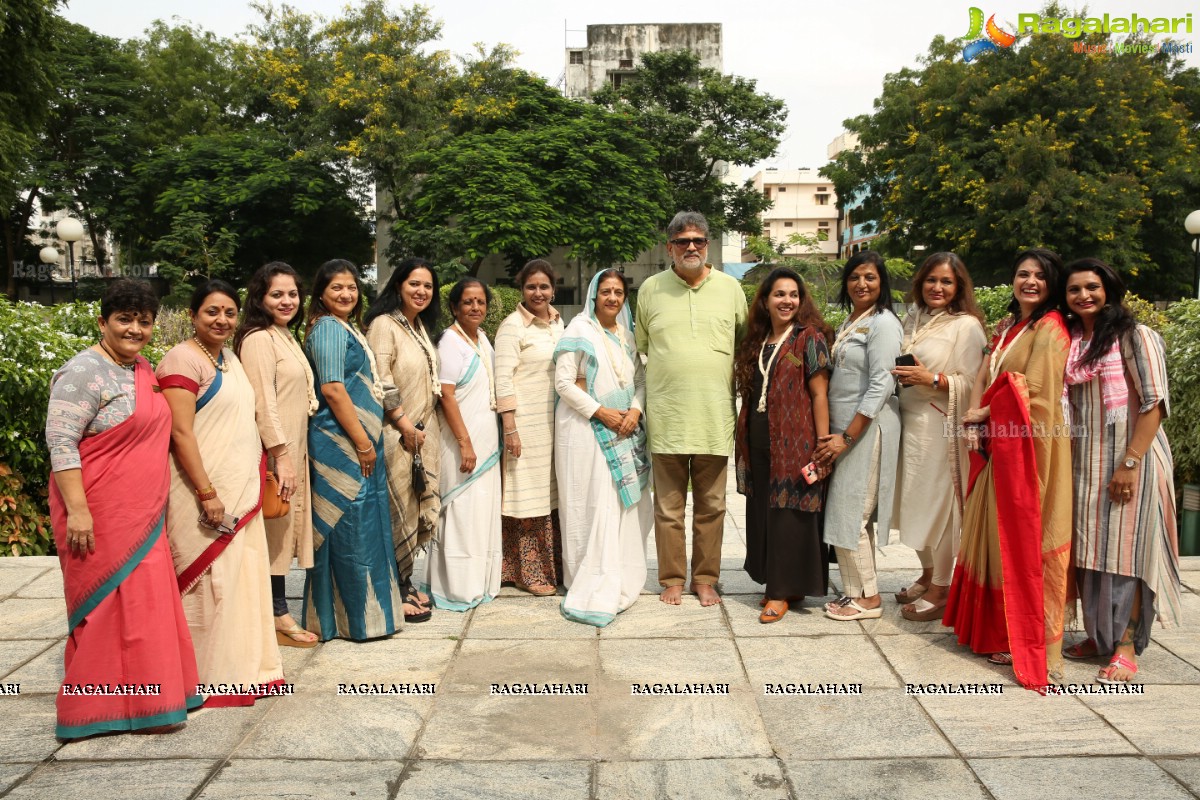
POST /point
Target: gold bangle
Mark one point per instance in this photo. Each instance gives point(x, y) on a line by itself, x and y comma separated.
point(205, 490)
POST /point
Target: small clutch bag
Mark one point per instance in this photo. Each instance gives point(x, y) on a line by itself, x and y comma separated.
point(273, 506)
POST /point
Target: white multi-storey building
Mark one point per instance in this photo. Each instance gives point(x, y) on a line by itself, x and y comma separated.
point(802, 202)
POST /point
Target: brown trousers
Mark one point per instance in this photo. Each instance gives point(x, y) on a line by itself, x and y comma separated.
point(708, 476)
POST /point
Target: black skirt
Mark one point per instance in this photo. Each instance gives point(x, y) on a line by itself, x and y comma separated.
point(784, 549)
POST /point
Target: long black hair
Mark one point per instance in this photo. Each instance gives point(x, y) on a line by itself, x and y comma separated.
point(1052, 267)
point(456, 293)
point(324, 277)
point(388, 299)
point(257, 317)
point(885, 283)
point(1115, 320)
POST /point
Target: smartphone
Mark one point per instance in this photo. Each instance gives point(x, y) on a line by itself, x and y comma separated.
point(906, 360)
point(809, 471)
point(228, 525)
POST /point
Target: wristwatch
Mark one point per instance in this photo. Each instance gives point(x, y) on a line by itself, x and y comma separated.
point(1131, 463)
point(848, 439)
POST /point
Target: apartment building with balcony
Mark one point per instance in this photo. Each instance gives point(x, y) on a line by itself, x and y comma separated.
point(802, 202)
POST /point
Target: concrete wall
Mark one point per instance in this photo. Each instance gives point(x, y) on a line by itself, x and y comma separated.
point(609, 45)
point(795, 209)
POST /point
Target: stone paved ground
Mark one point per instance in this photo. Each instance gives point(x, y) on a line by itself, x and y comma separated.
point(465, 742)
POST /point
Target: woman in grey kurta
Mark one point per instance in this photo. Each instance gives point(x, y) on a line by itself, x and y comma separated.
point(864, 418)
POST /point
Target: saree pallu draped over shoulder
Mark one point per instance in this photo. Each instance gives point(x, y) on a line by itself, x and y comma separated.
point(224, 578)
point(1009, 592)
point(126, 627)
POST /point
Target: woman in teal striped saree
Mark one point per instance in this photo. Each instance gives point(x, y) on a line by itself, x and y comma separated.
point(352, 590)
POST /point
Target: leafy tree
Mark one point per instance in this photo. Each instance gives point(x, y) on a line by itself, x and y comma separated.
point(192, 252)
point(531, 173)
point(1035, 145)
point(26, 51)
point(93, 133)
point(275, 203)
point(699, 119)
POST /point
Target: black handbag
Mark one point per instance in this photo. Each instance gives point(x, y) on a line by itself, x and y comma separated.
point(419, 481)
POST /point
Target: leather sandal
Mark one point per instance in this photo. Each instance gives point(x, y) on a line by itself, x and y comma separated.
point(1001, 659)
point(927, 614)
point(773, 614)
point(911, 593)
point(1082, 651)
point(763, 603)
point(538, 589)
point(1118, 662)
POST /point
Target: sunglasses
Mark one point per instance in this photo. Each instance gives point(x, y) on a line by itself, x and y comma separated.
point(698, 242)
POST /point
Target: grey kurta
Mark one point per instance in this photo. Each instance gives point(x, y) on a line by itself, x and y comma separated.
point(862, 383)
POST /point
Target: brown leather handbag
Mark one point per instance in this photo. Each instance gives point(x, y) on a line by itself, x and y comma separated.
point(274, 506)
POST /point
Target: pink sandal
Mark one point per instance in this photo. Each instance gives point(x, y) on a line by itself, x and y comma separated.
point(1120, 662)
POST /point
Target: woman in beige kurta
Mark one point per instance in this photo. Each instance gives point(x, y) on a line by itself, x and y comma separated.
point(217, 461)
point(943, 331)
point(400, 329)
point(284, 399)
point(525, 399)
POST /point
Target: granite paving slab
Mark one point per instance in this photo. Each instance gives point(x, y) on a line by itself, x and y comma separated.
point(1162, 721)
point(311, 780)
point(42, 674)
point(442, 625)
point(884, 779)
point(1157, 665)
point(815, 659)
point(362, 728)
point(806, 618)
point(671, 727)
point(940, 659)
point(748, 778)
point(1186, 771)
point(483, 662)
point(814, 727)
point(28, 562)
point(209, 733)
point(476, 726)
point(33, 619)
point(1073, 778)
point(27, 732)
point(1022, 723)
point(393, 660)
point(48, 585)
point(526, 617)
point(119, 780)
point(15, 653)
point(650, 618)
point(12, 581)
point(627, 661)
point(11, 773)
point(497, 780)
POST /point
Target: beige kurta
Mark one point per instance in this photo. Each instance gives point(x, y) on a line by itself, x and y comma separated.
point(409, 375)
point(932, 470)
point(525, 384)
point(283, 382)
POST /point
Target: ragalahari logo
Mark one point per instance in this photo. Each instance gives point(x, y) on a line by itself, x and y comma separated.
point(984, 38)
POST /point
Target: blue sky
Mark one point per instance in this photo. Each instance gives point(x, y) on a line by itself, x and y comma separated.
point(826, 60)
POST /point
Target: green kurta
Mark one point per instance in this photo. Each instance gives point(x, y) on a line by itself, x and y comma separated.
point(689, 336)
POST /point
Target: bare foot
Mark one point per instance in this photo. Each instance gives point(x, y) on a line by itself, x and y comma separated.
point(672, 595)
point(707, 594)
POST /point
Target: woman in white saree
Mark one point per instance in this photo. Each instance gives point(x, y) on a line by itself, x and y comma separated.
point(600, 457)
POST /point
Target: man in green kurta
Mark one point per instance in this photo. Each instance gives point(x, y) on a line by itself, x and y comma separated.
point(689, 322)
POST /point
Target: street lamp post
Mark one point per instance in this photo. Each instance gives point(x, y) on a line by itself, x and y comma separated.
point(70, 230)
point(1192, 225)
point(50, 255)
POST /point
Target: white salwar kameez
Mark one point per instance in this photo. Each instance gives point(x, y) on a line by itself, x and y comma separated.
point(464, 558)
point(604, 526)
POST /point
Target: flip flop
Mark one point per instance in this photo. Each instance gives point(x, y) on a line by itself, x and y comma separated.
point(859, 612)
point(928, 613)
point(1119, 662)
point(910, 594)
point(1077, 651)
point(1001, 659)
